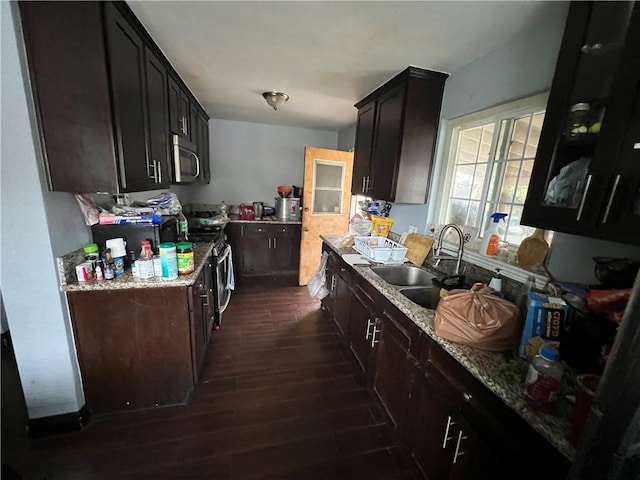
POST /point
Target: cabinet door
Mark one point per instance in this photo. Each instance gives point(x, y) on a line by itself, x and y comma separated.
point(198, 323)
point(342, 293)
point(257, 250)
point(571, 176)
point(431, 435)
point(234, 232)
point(394, 370)
point(126, 59)
point(208, 310)
point(386, 144)
point(157, 120)
point(361, 328)
point(285, 244)
point(363, 148)
point(203, 149)
point(193, 124)
point(175, 116)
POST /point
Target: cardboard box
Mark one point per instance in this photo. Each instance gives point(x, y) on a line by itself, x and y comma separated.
point(545, 318)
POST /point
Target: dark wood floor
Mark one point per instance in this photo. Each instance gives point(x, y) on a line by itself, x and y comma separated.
point(279, 399)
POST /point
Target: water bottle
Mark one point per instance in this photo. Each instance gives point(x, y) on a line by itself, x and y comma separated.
point(543, 379)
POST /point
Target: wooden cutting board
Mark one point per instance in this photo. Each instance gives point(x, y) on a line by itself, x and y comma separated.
point(419, 246)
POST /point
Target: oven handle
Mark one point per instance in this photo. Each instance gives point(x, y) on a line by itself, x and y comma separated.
point(226, 303)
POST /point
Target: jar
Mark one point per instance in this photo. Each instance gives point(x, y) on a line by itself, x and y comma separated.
point(91, 254)
point(168, 261)
point(185, 258)
point(578, 119)
point(543, 379)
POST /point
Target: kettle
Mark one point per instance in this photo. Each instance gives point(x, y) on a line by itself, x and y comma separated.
point(258, 209)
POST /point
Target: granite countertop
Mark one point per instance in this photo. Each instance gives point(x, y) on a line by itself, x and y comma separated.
point(69, 283)
point(486, 366)
point(273, 220)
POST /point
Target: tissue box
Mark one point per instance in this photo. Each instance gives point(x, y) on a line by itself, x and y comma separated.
point(545, 318)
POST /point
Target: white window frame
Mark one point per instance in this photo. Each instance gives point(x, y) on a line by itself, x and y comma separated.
point(496, 114)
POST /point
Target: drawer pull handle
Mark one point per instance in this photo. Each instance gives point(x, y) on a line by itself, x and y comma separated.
point(584, 196)
point(446, 438)
point(369, 325)
point(467, 397)
point(458, 452)
point(616, 182)
point(373, 336)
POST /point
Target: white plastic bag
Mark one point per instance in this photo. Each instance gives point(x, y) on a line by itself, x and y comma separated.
point(317, 284)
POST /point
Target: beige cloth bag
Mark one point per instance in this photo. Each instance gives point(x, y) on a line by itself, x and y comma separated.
point(477, 318)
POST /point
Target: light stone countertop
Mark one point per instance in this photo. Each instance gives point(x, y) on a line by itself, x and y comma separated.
point(483, 365)
point(67, 264)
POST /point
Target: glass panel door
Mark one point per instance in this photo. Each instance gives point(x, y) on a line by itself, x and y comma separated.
point(328, 186)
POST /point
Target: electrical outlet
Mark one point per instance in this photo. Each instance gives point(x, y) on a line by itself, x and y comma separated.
point(413, 229)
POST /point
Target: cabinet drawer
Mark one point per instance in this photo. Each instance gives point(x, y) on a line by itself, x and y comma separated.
point(259, 228)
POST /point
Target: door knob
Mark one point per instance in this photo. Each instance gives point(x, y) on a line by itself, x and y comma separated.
point(305, 229)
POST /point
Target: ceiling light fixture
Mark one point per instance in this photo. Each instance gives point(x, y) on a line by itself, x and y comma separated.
point(275, 99)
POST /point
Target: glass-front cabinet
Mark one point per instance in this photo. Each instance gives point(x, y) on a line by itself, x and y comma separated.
point(586, 175)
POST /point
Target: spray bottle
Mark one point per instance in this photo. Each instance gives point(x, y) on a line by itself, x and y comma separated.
point(491, 238)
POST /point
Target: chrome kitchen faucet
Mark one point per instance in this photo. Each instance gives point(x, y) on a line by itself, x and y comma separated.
point(437, 254)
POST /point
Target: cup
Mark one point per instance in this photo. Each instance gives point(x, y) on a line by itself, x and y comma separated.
point(587, 387)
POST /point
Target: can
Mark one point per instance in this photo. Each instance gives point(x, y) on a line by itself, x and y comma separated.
point(185, 258)
point(168, 261)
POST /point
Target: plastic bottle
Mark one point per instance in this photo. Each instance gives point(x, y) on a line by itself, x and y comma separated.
point(496, 282)
point(99, 274)
point(134, 264)
point(145, 262)
point(522, 297)
point(183, 223)
point(543, 379)
point(491, 242)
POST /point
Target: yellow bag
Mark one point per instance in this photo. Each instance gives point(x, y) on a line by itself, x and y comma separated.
point(381, 225)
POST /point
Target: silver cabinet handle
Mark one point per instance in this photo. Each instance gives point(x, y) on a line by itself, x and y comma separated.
point(269, 241)
point(369, 184)
point(467, 397)
point(206, 295)
point(591, 48)
point(584, 196)
point(611, 197)
point(333, 282)
point(373, 335)
point(274, 242)
point(458, 452)
point(159, 167)
point(446, 437)
point(369, 325)
point(363, 190)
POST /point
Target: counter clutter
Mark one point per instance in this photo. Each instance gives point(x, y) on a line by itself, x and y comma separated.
point(487, 367)
point(69, 283)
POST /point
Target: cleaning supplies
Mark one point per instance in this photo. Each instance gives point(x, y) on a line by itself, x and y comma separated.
point(496, 282)
point(490, 243)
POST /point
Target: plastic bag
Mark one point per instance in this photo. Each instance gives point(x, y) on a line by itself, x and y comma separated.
point(317, 284)
point(477, 318)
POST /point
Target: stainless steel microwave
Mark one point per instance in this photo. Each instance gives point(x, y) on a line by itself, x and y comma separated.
point(186, 164)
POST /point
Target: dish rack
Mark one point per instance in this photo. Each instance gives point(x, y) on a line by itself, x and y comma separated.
point(380, 249)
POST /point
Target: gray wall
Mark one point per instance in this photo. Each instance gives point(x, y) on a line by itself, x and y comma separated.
point(250, 160)
point(37, 225)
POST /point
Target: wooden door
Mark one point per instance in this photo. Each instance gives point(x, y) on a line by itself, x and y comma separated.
point(327, 185)
point(394, 371)
point(126, 55)
point(364, 141)
point(386, 146)
point(157, 121)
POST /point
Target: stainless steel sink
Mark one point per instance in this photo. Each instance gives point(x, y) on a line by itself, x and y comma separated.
point(404, 275)
point(424, 296)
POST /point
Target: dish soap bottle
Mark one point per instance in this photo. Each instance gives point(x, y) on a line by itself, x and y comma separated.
point(490, 243)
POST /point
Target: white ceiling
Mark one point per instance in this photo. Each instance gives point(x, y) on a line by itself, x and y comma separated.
point(325, 55)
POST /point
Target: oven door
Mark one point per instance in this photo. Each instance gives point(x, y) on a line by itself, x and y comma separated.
point(223, 275)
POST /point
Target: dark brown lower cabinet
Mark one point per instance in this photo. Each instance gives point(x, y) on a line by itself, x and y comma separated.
point(142, 347)
point(362, 328)
point(395, 367)
point(265, 251)
point(447, 420)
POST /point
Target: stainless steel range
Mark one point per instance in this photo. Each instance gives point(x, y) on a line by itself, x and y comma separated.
point(222, 266)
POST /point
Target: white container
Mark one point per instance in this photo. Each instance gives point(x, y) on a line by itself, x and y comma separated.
point(168, 261)
point(117, 247)
point(157, 266)
point(380, 249)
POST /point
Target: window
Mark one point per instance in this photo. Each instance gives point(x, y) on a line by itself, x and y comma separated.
point(491, 155)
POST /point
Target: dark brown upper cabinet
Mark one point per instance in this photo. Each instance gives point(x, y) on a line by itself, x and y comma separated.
point(101, 94)
point(586, 176)
point(396, 137)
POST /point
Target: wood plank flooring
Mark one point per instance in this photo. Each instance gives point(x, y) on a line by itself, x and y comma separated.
point(278, 399)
